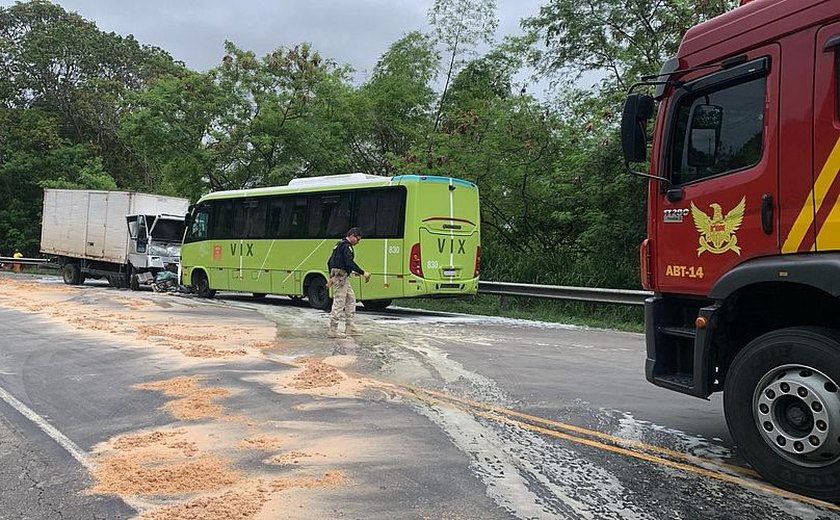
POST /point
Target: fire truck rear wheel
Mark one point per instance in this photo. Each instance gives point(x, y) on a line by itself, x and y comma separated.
point(782, 405)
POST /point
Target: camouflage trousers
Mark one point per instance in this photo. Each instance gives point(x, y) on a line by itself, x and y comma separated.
point(344, 299)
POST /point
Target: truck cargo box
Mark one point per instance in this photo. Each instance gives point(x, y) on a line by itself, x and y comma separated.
point(91, 224)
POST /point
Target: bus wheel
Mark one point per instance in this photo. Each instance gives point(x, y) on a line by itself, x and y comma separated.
point(72, 274)
point(202, 285)
point(319, 296)
point(376, 305)
point(782, 405)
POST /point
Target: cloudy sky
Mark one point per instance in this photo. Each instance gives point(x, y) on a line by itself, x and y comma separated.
point(354, 32)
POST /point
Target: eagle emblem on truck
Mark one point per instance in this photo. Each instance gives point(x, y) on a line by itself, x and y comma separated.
point(717, 232)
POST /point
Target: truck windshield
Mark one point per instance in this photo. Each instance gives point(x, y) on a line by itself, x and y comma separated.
point(167, 230)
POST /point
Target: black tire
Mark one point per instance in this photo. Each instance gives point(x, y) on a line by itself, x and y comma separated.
point(376, 305)
point(782, 405)
point(72, 274)
point(258, 295)
point(202, 285)
point(133, 281)
point(318, 295)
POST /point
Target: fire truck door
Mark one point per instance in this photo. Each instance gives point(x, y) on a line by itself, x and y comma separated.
point(817, 214)
point(720, 154)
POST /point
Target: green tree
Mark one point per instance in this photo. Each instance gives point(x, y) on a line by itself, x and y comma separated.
point(623, 38)
point(460, 25)
point(390, 113)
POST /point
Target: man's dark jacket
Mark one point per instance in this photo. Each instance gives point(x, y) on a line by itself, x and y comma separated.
point(342, 258)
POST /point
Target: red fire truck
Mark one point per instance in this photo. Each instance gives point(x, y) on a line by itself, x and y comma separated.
point(743, 240)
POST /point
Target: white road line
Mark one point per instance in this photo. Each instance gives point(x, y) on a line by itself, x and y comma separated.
point(47, 428)
point(451, 229)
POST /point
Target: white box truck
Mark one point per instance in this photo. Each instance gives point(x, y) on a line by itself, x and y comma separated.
point(123, 236)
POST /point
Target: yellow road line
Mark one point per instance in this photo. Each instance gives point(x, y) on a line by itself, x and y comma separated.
point(759, 486)
point(694, 459)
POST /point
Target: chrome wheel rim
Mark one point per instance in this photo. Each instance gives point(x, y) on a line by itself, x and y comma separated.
point(797, 411)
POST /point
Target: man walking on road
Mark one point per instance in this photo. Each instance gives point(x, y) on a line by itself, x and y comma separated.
point(341, 265)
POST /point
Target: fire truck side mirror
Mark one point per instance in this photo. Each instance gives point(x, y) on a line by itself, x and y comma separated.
point(637, 110)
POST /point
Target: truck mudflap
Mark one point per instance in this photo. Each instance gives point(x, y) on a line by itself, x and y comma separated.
point(679, 354)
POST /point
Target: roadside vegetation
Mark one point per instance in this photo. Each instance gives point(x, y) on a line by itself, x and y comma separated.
point(602, 316)
point(82, 108)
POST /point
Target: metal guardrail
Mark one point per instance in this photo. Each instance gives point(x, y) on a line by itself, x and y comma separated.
point(23, 261)
point(559, 292)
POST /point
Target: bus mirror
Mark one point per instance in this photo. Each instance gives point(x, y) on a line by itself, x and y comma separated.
point(704, 135)
point(637, 110)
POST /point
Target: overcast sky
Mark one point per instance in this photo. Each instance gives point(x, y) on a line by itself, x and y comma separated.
point(354, 32)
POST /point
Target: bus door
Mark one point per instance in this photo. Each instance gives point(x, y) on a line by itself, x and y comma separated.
point(448, 230)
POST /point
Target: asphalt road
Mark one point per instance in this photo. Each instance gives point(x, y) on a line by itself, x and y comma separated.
point(460, 418)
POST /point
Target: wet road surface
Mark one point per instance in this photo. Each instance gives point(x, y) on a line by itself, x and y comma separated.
point(431, 416)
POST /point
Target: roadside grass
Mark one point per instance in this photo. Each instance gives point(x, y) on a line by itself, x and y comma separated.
point(599, 315)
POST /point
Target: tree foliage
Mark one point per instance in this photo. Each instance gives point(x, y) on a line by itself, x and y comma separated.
point(82, 108)
point(624, 38)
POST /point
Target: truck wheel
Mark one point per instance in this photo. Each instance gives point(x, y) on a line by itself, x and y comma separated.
point(319, 296)
point(202, 285)
point(782, 405)
point(72, 274)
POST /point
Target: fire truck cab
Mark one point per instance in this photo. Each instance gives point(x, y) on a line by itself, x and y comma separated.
point(743, 240)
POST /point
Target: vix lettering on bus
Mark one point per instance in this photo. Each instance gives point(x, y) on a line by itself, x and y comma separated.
point(461, 249)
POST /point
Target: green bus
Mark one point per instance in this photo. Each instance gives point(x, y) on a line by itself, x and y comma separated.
point(421, 237)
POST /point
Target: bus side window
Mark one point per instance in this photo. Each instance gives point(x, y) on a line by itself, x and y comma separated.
point(240, 219)
point(297, 217)
point(380, 213)
point(198, 229)
point(390, 213)
point(257, 218)
point(335, 216)
point(223, 213)
point(364, 212)
point(278, 210)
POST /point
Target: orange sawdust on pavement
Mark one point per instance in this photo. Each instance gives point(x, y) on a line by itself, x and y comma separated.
point(142, 440)
point(293, 457)
point(316, 374)
point(196, 401)
point(240, 504)
point(261, 442)
point(146, 319)
point(192, 470)
point(139, 474)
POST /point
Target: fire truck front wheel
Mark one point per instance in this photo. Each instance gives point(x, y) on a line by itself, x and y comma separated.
point(782, 405)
